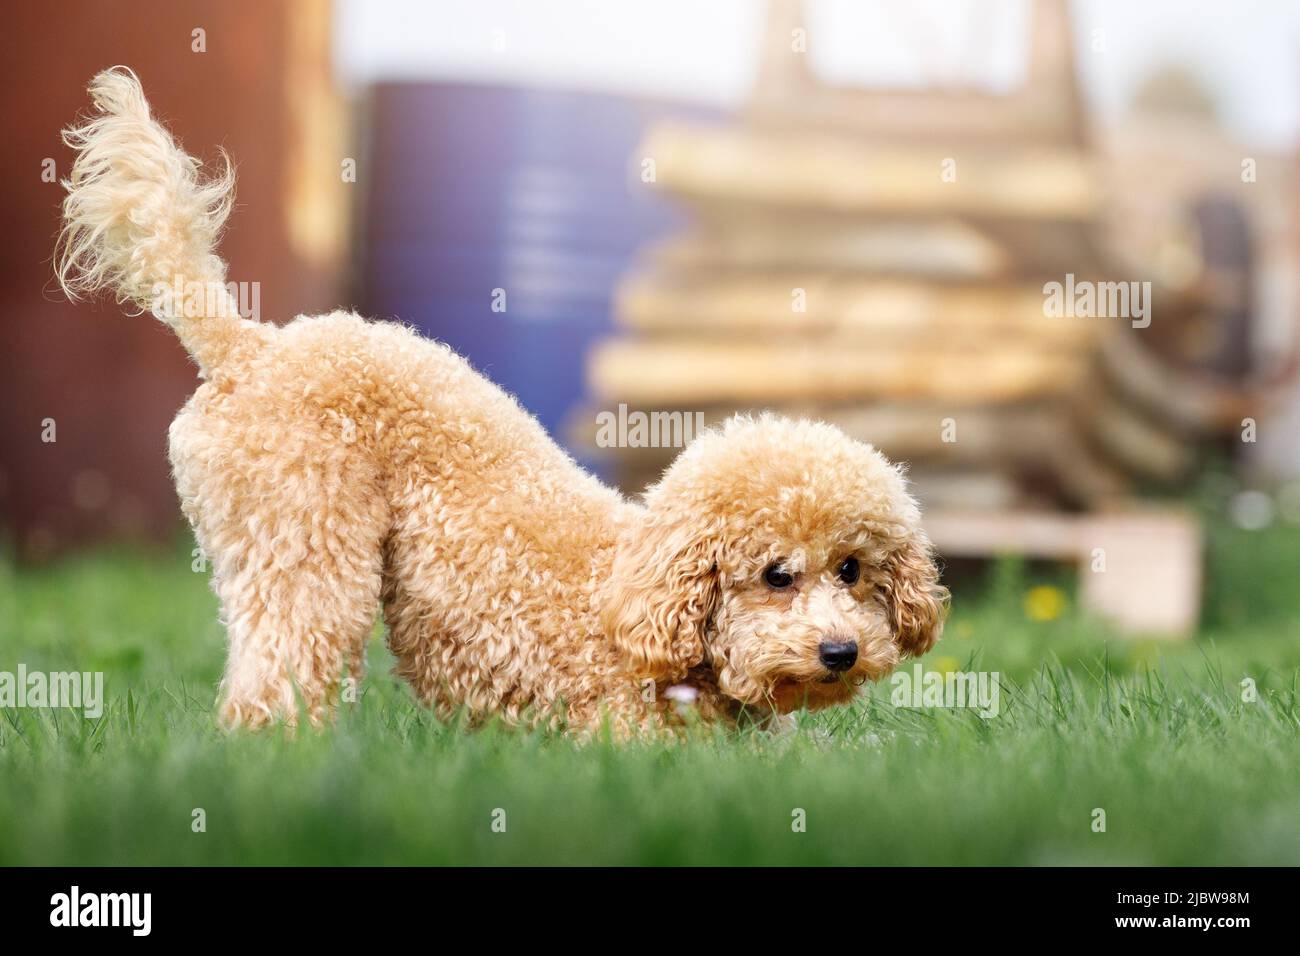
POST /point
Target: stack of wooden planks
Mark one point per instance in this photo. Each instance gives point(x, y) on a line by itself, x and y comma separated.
point(850, 265)
point(886, 281)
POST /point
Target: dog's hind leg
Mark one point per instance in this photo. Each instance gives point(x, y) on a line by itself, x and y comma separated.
point(296, 541)
point(291, 633)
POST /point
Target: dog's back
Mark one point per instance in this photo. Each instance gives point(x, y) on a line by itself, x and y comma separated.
point(332, 462)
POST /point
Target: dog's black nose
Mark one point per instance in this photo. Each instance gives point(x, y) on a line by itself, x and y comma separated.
point(839, 655)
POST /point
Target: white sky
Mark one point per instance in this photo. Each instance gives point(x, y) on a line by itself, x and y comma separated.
point(1247, 52)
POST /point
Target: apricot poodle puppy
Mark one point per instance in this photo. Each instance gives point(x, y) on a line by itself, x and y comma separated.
point(334, 466)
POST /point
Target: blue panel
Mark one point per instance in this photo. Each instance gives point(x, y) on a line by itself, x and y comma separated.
point(473, 188)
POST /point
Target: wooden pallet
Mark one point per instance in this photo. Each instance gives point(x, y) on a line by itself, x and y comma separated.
point(1151, 582)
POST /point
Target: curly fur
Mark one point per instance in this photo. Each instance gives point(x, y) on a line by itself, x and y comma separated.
point(332, 467)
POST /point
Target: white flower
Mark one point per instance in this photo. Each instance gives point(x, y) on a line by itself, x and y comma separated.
point(682, 693)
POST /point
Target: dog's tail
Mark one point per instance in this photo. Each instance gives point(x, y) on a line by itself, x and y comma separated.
point(141, 220)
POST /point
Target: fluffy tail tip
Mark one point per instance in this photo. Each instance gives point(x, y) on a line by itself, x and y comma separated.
point(137, 213)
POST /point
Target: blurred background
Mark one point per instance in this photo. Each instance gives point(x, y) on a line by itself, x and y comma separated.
point(846, 210)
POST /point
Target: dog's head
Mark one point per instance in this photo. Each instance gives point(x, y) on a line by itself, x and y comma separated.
point(783, 555)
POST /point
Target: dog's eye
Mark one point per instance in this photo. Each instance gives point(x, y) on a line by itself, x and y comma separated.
point(849, 570)
point(777, 577)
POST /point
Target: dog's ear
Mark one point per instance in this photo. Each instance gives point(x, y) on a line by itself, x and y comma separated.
point(661, 595)
point(917, 601)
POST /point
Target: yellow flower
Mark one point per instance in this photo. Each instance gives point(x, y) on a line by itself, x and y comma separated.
point(945, 665)
point(1044, 603)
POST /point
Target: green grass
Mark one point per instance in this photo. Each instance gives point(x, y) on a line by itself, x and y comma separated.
point(1155, 734)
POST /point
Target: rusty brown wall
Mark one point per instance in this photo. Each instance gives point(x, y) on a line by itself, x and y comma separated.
point(112, 383)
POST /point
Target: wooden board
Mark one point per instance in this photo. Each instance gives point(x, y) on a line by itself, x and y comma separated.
point(682, 372)
point(727, 238)
point(827, 172)
point(1046, 107)
point(868, 310)
point(1141, 569)
point(1029, 440)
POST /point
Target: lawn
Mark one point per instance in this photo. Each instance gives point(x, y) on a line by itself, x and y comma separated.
point(1157, 736)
